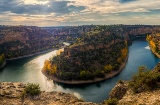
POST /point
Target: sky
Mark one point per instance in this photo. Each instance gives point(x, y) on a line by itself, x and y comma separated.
point(79, 12)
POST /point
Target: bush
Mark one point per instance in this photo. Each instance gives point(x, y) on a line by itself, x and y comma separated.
point(145, 80)
point(32, 89)
point(113, 101)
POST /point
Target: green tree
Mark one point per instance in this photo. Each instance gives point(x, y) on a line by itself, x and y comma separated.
point(32, 90)
point(108, 68)
point(145, 80)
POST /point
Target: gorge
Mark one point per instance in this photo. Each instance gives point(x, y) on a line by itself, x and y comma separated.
point(24, 70)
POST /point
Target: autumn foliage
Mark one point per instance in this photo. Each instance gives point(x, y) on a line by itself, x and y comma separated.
point(152, 39)
point(49, 68)
point(123, 55)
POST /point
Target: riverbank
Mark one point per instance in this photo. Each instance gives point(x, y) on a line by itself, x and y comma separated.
point(30, 55)
point(154, 52)
point(107, 76)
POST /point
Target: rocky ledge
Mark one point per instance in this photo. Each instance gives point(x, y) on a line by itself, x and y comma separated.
point(126, 96)
point(10, 94)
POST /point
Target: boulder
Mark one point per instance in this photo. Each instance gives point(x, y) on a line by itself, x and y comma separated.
point(119, 90)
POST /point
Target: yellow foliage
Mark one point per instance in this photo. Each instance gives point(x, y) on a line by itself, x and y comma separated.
point(49, 67)
point(152, 44)
point(45, 64)
point(108, 68)
point(59, 51)
point(124, 52)
point(53, 69)
point(119, 60)
point(149, 37)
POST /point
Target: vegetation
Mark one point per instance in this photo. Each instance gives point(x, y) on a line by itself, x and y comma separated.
point(49, 68)
point(154, 41)
point(151, 42)
point(112, 101)
point(16, 41)
point(93, 55)
point(2, 59)
point(31, 90)
point(145, 80)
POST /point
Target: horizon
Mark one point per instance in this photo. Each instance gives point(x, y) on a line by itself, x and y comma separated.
point(48, 13)
point(84, 25)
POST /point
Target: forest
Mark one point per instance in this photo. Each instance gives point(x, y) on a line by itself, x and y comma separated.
point(97, 52)
point(154, 42)
point(94, 55)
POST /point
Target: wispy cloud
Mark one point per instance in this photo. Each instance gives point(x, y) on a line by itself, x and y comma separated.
point(74, 12)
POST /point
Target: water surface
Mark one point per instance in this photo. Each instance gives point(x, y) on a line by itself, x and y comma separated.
point(29, 70)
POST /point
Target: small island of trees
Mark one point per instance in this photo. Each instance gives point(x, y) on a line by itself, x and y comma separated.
point(94, 55)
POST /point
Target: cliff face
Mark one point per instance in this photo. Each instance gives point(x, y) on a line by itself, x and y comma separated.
point(10, 94)
point(144, 98)
point(125, 95)
point(119, 90)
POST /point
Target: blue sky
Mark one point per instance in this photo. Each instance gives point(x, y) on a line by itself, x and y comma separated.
point(79, 12)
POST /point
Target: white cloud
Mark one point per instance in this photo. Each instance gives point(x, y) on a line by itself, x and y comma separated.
point(114, 6)
point(35, 1)
point(59, 12)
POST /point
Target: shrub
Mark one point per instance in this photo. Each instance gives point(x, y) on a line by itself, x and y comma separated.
point(113, 101)
point(32, 89)
point(145, 80)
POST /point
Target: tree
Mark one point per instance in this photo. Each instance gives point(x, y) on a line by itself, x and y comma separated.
point(108, 68)
point(32, 90)
point(144, 80)
point(119, 60)
point(49, 68)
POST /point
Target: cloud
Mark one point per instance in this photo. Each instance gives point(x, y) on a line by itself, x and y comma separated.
point(20, 7)
point(72, 12)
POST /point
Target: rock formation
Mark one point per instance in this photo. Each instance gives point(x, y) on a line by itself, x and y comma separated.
point(10, 94)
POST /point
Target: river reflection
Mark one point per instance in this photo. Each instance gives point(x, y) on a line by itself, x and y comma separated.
point(29, 70)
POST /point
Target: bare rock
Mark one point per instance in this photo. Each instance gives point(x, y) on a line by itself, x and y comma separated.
point(119, 90)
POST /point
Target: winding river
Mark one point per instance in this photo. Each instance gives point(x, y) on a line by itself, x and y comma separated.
point(29, 70)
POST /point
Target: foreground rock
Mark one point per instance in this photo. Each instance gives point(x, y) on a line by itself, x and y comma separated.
point(119, 90)
point(10, 94)
point(144, 98)
point(125, 95)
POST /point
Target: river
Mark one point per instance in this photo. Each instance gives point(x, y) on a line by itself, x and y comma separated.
point(28, 70)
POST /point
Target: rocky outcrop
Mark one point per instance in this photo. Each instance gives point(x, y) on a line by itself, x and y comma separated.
point(157, 68)
point(144, 98)
point(10, 94)
point(11, 90)
point(119, 90)
point(126, 96)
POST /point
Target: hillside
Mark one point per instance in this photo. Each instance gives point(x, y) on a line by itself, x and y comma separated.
point(16, 41)
point(96, 54)
point(143, 89)
point(154, 42)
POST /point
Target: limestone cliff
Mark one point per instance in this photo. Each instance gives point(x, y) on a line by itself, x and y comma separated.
point(10, 94)
point(125, 95)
